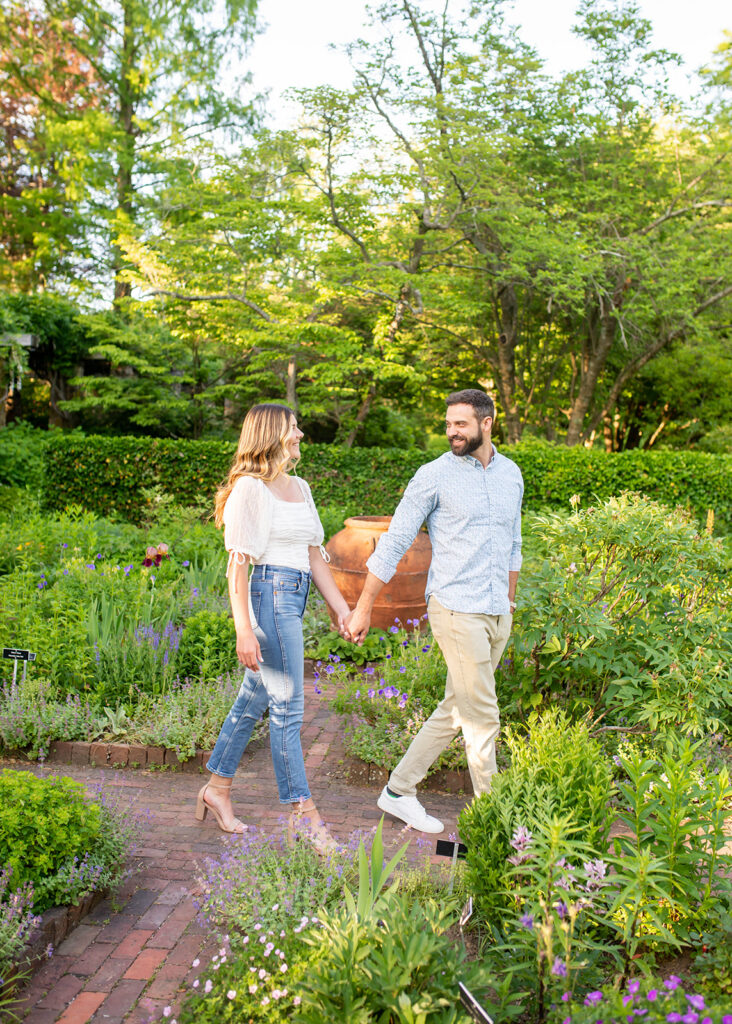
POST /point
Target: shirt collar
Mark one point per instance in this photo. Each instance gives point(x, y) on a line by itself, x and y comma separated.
point(471, 459)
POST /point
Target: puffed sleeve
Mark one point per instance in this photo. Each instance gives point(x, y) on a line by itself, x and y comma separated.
point(319, 533)
point(246, 520)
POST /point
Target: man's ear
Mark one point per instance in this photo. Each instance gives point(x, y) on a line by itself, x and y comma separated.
point(489, 421)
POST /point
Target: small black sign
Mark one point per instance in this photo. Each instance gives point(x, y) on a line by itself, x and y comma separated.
point(16, 654)
point(445, 848)
point(472, 1005)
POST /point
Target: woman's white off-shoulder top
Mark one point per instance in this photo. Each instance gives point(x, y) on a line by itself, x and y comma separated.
point(267, 530)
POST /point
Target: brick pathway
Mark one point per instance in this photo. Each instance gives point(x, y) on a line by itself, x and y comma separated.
point(125, 962)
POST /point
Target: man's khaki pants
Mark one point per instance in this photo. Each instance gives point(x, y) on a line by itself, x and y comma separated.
point(472, 646)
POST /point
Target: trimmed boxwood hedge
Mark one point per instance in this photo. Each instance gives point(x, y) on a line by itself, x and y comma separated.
point(108, 474)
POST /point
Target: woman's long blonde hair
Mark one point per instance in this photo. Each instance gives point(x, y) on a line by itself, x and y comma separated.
point(262, 451)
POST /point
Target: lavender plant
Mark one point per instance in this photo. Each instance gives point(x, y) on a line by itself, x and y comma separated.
point(17, 921)
point(653, 1000)
point(386, 704)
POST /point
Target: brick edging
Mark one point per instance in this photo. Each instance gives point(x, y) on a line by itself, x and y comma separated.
point(115, 755)
point(56, 923)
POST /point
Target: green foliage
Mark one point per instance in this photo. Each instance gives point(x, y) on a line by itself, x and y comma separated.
point(333, 646)
point(108, 475)
point(207, 646)
point(712, 966)
point(555, 947)
point(557, 771)
point(21, 450)
point(44, 824)
point(395, 964)
point(624, 613)
point(654, 999)
point(670, 871)
point(387, 703)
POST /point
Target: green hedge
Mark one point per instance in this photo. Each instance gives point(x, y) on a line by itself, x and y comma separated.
point(108, 474)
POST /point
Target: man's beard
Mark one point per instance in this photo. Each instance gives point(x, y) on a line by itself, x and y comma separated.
point(466, 447)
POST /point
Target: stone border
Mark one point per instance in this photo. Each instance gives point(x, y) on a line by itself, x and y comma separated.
point(113, 755)
point(56, 924)
point(123, 755)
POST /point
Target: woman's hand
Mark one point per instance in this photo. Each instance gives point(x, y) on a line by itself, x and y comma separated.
point(342, 615)
point(248, 650)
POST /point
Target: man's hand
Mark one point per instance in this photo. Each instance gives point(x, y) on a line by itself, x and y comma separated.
point(357, 625)
point(248, 650)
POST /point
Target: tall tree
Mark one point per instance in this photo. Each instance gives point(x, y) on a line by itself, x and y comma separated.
point(163, 74)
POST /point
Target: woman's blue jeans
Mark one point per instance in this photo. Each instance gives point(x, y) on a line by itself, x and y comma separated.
point(278, 597)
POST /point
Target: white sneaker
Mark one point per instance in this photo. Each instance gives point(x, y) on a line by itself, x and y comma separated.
point(410, 811)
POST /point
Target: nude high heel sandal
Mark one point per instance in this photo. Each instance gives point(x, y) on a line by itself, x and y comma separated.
point(301, 826)
point(202, 807)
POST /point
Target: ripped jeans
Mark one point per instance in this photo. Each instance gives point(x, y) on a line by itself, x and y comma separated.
point(278, 597)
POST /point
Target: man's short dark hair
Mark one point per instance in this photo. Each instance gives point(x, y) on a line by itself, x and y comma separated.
point(480, 401)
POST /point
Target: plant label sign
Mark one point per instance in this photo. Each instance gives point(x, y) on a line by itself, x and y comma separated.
point(16, 654)
point(472, 1005)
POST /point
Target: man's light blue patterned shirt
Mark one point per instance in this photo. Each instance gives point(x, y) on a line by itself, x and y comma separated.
point(473, 518)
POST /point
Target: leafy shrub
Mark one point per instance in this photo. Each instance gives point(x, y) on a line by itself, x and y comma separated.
point(21, 455)
point(207, 646)
point(399, 965)
point(109, 474)
point(17, 922)
point(625, 613)
point(655, 1000)
point(44, 824)
point(557, 770)
point(31, 718)
point(671, 875)
point(386, 704)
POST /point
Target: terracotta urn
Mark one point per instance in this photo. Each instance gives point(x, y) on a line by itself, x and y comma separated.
point(403, 597)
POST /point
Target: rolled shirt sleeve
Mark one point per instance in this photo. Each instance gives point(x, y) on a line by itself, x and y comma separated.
point(516, 558)
point(418, 502)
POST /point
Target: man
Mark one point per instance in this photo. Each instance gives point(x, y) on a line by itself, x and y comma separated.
point(471, 499)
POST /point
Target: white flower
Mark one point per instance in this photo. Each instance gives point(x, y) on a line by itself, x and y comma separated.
point(265, 1001)
point(166, 1011)
point(262, 974)
point(208, 986)
point(252, 989)
point(231, 994)
point(195, 983)
point(196, 962)
point(296, 1001)
point(283, 967)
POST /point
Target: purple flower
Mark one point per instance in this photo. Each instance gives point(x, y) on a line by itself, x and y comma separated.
point(593, 998)
point(371, 694)
point(690, 1018)
point(527, 921)
point(393, 629)
point(673, 1017)
point(697, 1002)
point(561, 909)
point(672, 983)
point(633, 986)
point(559, 968)
point(652, 994)
point(185, 564)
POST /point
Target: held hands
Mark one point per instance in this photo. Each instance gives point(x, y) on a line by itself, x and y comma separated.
point(357, 626)
point(248, 650)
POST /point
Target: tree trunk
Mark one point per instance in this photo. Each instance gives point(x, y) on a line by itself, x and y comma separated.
point(590, 374)
point(292, 383)
point(126, 151)
point(507, 362)
point(400, 308)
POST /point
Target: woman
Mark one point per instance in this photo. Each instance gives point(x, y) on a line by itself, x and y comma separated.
point(270, 520)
